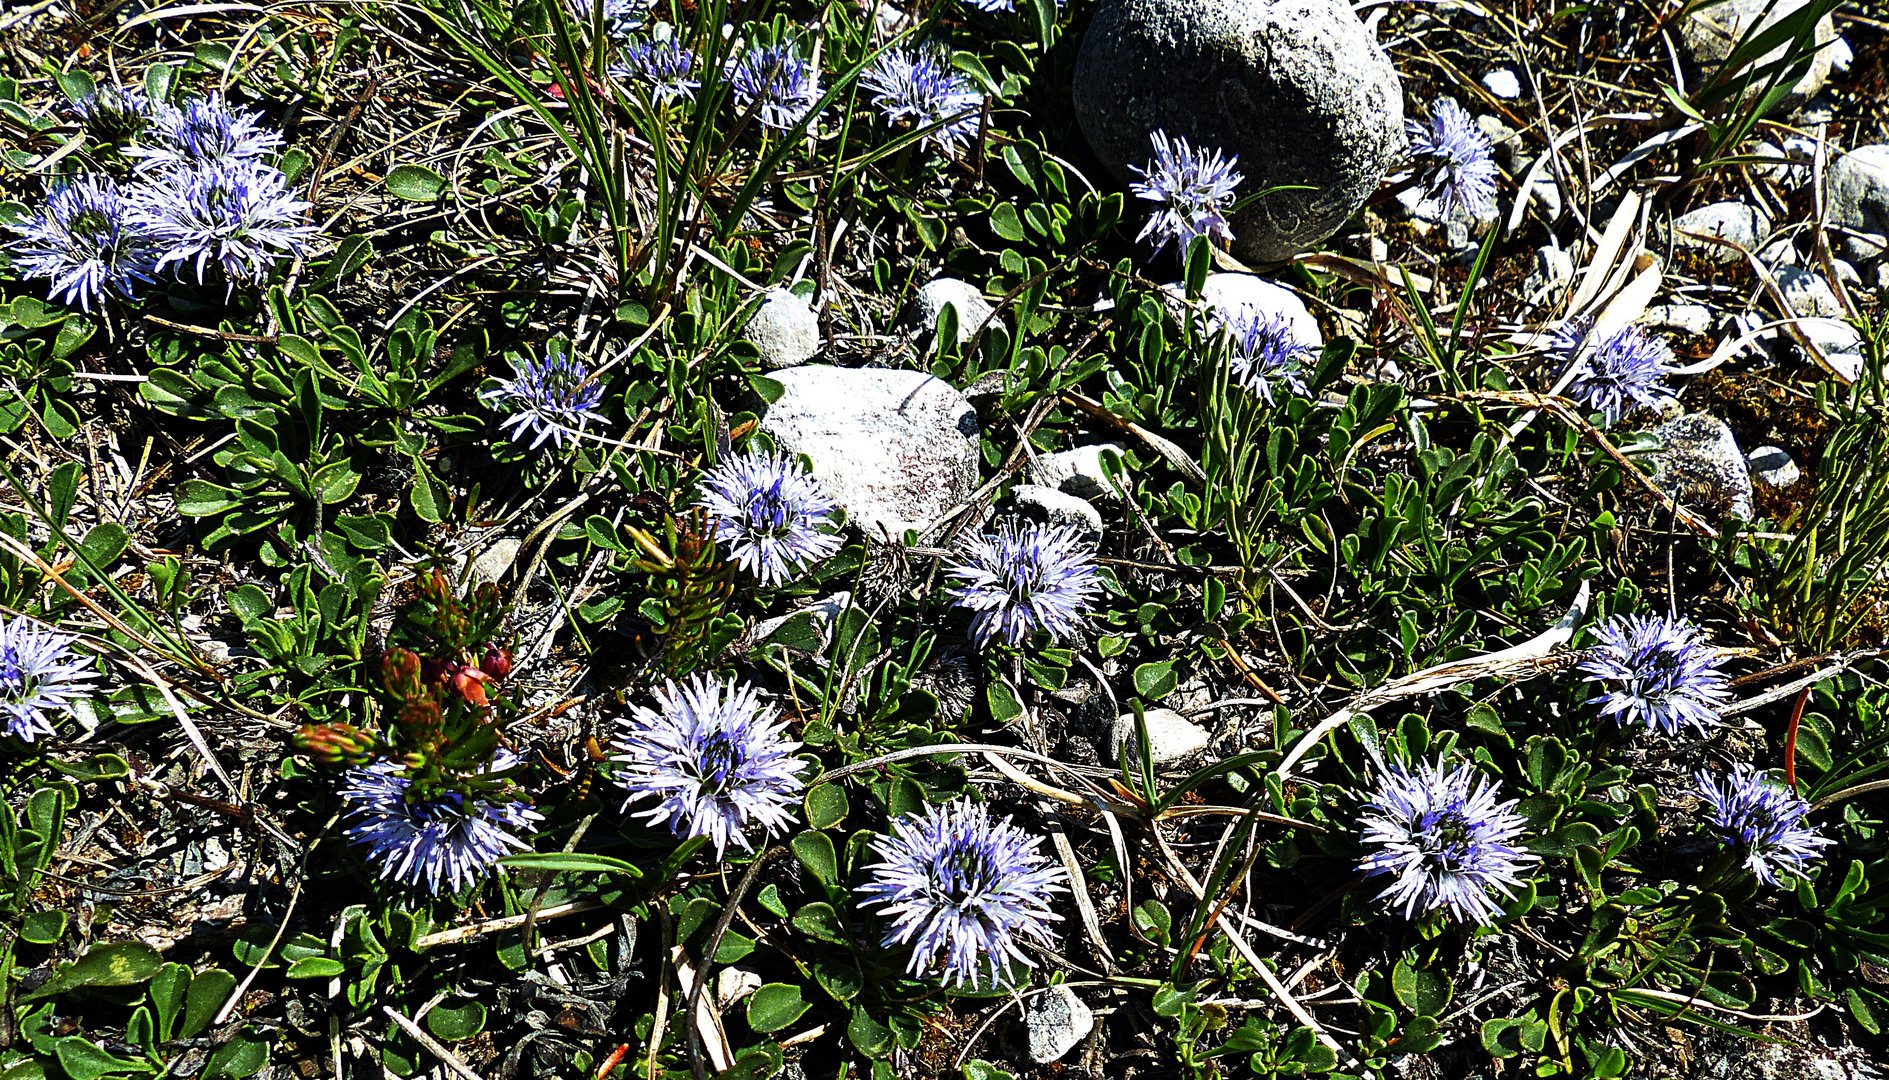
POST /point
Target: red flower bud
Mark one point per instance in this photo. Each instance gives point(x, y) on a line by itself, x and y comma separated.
point(497, 662)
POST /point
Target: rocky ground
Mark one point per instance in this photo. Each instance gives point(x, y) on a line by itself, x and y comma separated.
point(373, 476)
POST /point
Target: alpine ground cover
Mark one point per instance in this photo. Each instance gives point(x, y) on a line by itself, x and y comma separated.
point(693, 539)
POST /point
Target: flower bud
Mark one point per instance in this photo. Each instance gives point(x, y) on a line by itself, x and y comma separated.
point(336, 744)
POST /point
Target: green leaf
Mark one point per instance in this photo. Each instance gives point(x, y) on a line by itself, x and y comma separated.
point(93, 769)
point(316, 967)
point(770, 899)
point(75, 84)
point(571, 862)
point(826, 805)
point(1004, 222)
point(83, 1059)
point(157, 81)
point(768, 390)
point(415, 183)
point(43, 927)
point(774, 1006)
point(249, 603)
point(241, 1056)
point(200, 498)
point(815, 852)
point(208, 991)
point(734, 948)
point(124, 963)
point(427, 496)
point(838, 976)
point(168, 989)
point(1155, 681)
point(820, 921)
point(1425, 993)
point(453, 1021)
point(874, 1039)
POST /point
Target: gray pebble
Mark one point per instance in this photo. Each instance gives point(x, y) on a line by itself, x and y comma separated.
point(1773, 468)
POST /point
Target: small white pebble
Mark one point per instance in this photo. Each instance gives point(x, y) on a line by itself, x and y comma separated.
point(1503, 84)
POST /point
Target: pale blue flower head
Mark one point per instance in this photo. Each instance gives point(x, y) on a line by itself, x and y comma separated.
point(1194, 190)
point(965, 892)
point(114, 113)
point(1266, 353)
point(1026, 577)
point(441, 842)
point(1625, 371)
point(238, 216)
point(1445, 839)
point(554, 398)
point(620, 17)
point(1455, 159)
point(1658, 671)
point(665, 67)
point(922, 87)
point(714, 759)
point(1763, 821)
point(778, 85)
point(41, 677)
point(204, 131)
point(998, 6)
point(769, 514)
point(86, 242)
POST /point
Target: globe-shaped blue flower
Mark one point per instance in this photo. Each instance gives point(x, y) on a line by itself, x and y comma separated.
point(769, 514)
point(550, 399)
point(1763, 821)
point(620, 17)
point(1658, 671)
point(1445, 839)
point(442, 842)
point(1194, 189)
point(1266, 353)
point(777, 84)
point(1455, 159)
point(41, 677)
point(1025, 577)
point(86, 242)
point(1625, 371)
point(665, 68)
point(238, 216)
point(114, 113)
point(964, 891)
point(714, 759)
point(204, 131)
point(921, 87)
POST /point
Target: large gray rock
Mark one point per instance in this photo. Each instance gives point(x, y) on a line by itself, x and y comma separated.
point(1838, 341)
point(1735, 222)
point(784, 330)
point(1808, 293)
point(1054, 1021)
point(1053, 507)
point(1857, 190)
point(1227, 295)
point(897, 449)
point(962, 297)
point(1298, 90)
point(1712, 31)
point(1171, 736)
point(1698, 462)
